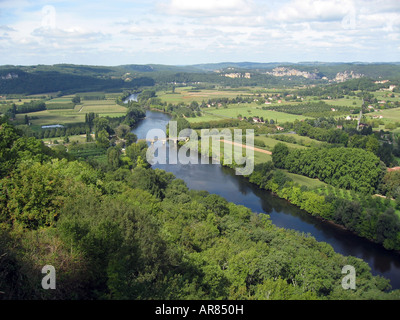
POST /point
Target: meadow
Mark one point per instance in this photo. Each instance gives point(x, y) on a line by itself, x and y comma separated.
point(350, 102)
point(303, 140)
point(248, 110)
point(389, 115)
point(305, 181)
point(270, 143)
point(188, 94)
point(107, 107)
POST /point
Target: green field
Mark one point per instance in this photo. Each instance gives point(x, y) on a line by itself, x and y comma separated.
point(64, 99)
point(76, 138)
point(386, 96)
point(205, 118)
point(390, 115)
point(100, 106)
point(104, 108)
point(187, 94)
point(305, 181)
point(303, 139)
point(49, 117)
point(270, 143)
point(343, 102)
point(248, 110)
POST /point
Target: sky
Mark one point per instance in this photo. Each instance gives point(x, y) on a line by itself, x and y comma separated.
point(184, 32)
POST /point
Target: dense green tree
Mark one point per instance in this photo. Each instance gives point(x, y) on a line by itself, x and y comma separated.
point(102, 139)
point(76, 99)
point(101, 124)
point(388, 229)
point(113, 157)
point(134, 114)
point(130, 138)
point(348, 168)
point(372, 144)
point(385, 154)
point(135, 150)
point(279, 154)
point(262, 173)
point(391, 184)
point(122, 130)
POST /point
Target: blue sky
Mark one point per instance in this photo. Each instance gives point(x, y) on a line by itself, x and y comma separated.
point(182, 32)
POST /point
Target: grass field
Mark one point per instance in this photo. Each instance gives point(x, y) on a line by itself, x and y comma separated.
point(187, 94)
point(247, 110)
point(77, 138)
point(386, 96)
point(205, 118)
point(49, 117)
point(270, 143)
point(305, 181)
point(100, 106)
point(343, 102)
point(390, 115)
point(64, 99)
point(104, 108)
point(303, 139)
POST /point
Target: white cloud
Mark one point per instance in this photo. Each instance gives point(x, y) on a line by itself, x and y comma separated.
point(68, 35)
point(6, 28)
point(209, 7)
point(313, 10)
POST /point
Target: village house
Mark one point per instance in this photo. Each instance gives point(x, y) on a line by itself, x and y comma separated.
point(257, 120)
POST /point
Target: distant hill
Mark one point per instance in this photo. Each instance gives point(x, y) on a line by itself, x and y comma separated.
point(76, 78)
point(65, 78)
point(238, 65)
point(328, 69)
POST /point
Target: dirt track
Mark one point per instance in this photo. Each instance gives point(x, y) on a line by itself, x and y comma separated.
point(249, 147)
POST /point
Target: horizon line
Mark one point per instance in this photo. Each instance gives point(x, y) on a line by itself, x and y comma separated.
point(207, 63)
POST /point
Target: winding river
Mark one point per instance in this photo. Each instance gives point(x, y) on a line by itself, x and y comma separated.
point(220, 180)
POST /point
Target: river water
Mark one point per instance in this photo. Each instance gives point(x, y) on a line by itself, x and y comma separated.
point(220, 180)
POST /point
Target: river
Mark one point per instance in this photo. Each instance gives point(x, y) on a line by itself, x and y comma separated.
point(220, 180)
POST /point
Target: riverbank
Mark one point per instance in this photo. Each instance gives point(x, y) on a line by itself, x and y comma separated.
point(336, 225)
